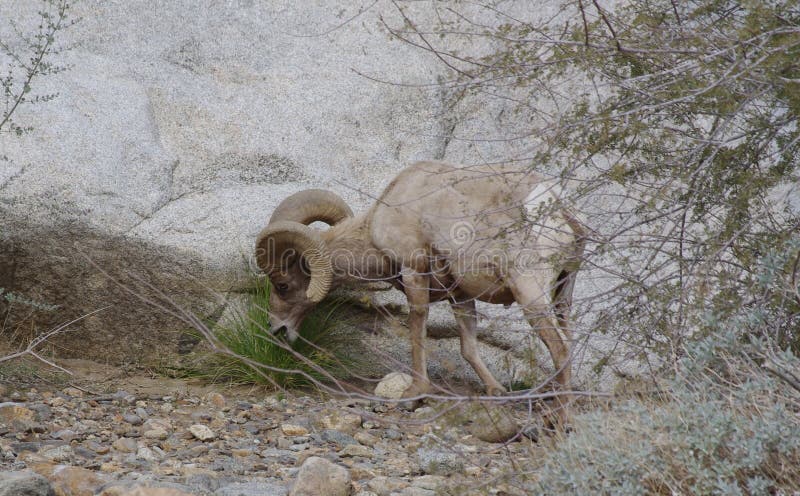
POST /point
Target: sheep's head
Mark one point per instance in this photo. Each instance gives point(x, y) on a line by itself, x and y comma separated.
point(295, 258)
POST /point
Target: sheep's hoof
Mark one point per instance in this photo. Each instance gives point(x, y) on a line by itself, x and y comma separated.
point(409, 405)
point(415, 389)
point(496, 391)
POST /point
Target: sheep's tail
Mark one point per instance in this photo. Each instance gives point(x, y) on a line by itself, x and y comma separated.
point(565, 282)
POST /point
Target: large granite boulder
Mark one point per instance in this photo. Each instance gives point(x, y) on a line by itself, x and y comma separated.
point(178, 127)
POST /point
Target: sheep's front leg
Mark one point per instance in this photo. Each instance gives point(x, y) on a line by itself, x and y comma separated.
point(467, 319)
point(416, 288)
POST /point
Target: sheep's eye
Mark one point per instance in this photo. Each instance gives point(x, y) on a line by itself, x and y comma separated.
point(281, 287)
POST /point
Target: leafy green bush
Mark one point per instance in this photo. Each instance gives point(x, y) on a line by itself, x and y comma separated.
point(258, 357)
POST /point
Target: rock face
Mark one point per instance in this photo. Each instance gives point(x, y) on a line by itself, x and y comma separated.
point(176, 132)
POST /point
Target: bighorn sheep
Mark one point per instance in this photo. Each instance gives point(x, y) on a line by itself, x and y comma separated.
point(438, 231)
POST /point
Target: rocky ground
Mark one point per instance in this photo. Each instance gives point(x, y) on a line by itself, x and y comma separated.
point(148, 436)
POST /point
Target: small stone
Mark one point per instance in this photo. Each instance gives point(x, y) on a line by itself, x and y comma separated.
point(132, 432)
point(431, 482)
point(346, 422)
point(356, 450)
point(30, 458)
point(18, 417)
point(23, 484)
point(202, 432)
point(150, 491)
point(157, 423)
point(439, 462)
point(365, 438)
point(417, 491)
point(156, 433)
point(393, 385)
point(65, 435)
point(358, 472)
point(425, 412)
point(100, 449)
point(203, 483)
point(337, 437)
point(294, 430)
point(216, 399)
point(286, 473)
point(384, 486)
point(87, 454)
point(124, 396)
point(132, 419)
point(318, 476)
point(145, 453)
point(109, 467)
point(492, 423)
point(201, 416)
point(72, 481)
point(259, 488)
point(392, 434)
point(125, 445)
point(58, 454)
point(73, 392)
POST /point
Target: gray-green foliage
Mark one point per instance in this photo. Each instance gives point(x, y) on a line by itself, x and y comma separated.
point(725, 428)
point(28, 57)
point(728, 423)
point(675, 124)
point(13, 298)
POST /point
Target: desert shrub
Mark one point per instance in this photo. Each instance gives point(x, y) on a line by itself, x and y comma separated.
point(728, 422)
point(726, 426)
point(673, 127)
point(253, 355)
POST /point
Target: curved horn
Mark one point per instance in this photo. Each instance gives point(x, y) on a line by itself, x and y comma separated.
point(312, 205)
point(278, 237)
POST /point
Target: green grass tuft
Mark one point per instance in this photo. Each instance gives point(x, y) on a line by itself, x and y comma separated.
point(319, 352)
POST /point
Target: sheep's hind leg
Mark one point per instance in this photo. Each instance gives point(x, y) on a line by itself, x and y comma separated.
point(538, 310)
point(467, 319)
